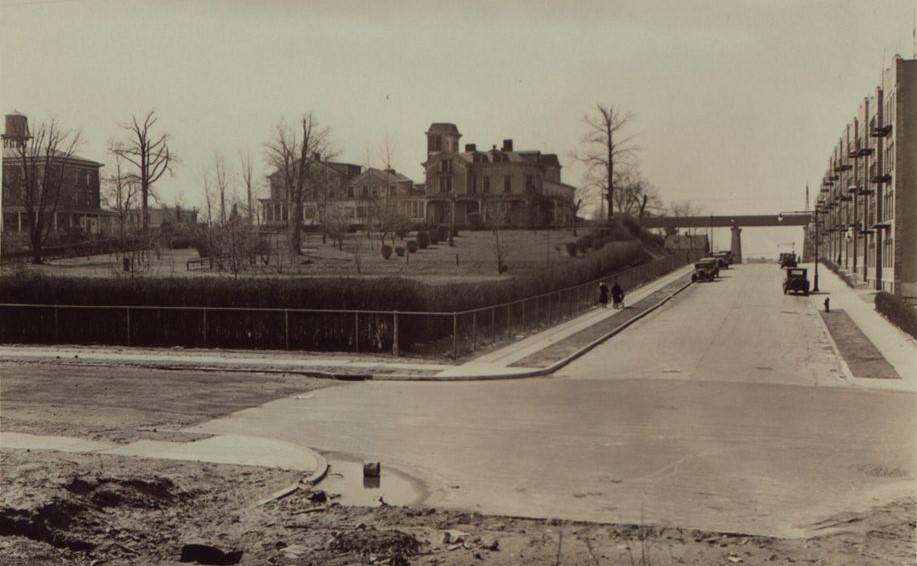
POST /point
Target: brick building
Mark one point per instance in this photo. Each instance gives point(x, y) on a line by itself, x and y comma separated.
point(522, 188)
point(76, 184)
point(868, 196)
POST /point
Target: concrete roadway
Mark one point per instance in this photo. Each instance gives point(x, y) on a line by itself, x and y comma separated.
point(726, 409)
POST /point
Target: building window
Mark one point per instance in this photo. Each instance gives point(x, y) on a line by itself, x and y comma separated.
point(474, 184)
point(434, 143)
point(349, 192)
point(486, 183)
point(445, 166)
point(364, 192)
point(507, 183)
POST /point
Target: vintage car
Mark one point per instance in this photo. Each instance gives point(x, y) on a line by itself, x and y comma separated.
point(706, 269)
point(796, 281)
point(724, 258)
point(788, 259)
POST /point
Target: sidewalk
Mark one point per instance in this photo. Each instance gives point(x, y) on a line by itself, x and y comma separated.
point(538, 354)
point(217, 449)
point(898, 348)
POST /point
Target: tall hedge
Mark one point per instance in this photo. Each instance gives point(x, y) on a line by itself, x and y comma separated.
point(898, 311)
point(272, 329)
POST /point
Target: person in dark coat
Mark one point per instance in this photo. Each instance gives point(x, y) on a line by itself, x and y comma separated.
point(603, 295)
point(617, 295)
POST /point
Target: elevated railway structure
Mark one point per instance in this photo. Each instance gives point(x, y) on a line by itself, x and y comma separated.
point(735, 222)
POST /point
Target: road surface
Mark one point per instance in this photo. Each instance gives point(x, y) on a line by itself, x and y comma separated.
point(725, 410)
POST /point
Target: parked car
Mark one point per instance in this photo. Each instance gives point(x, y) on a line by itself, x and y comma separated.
point(724, 258)
point(796, 281)
point(706, 269)
point(788, 259)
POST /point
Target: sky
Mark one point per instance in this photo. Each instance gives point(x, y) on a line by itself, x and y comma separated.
point(737, 104)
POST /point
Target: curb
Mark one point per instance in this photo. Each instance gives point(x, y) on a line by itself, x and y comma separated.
point(164, 366)
point(540, 371)
point(845, 369)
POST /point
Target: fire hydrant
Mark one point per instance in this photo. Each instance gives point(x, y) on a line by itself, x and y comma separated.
point(827, 304)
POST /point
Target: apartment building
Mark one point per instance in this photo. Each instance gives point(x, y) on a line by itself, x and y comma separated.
point(868, 198)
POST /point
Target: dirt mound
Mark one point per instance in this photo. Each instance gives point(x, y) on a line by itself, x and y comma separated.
point(150, 493)
point(48, 523)
point(395, 545)
point(75, 517)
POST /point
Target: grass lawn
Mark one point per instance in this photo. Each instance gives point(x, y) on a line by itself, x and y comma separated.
point(472, 257)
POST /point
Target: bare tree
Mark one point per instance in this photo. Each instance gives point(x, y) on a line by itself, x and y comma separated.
point(150, 154)
point(296, 153)
point(121, 195)
point(634, 193)
point(582, 196)
point(387, 150)
point(222, 184)
point(604, 147)
point(497, 216)
point(40, 164)
point(246, 167)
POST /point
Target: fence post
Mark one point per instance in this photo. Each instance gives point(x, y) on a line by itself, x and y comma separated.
point(395, 351)
point(204, 327)
point(493, 324)
point(356, 331)
point(523, 315)
point(56, 327)
point(454, 336)
point(474, 331)
point(550, 300)
point(537, 318)
point(286, 328)
point(128, 311)
point(509, 320)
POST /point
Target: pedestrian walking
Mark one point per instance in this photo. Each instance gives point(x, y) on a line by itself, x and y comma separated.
point(603, 295)
point(617, 295)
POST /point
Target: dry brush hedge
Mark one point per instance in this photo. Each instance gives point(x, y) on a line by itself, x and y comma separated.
point(171, 310)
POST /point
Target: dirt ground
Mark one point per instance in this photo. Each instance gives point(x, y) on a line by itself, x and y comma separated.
point(63, 508)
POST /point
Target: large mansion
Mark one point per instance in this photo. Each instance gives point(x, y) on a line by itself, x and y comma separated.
point(469, 188)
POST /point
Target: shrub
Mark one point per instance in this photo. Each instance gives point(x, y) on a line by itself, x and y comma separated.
point(386, 251)
point(412, 246)
point(399, 251)
point(434, 235)
point(571, 248)
point(423, 240)
point(631, 224)
point(896, 309)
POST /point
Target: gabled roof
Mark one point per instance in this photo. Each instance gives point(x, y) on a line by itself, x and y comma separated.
point(386, 175)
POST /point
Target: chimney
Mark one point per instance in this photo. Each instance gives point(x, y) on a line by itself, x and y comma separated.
point(470, 147)
point(507, 145)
